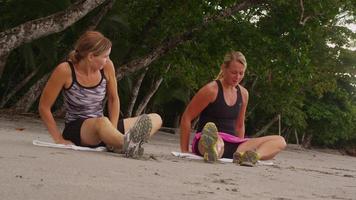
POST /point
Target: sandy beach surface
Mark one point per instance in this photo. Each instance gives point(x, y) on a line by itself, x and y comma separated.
point(32, 172)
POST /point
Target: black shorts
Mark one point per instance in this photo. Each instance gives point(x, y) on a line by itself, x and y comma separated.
point(72, 132)
point(229, 149)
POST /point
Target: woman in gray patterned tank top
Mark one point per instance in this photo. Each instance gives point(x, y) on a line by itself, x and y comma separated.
point(85, 80)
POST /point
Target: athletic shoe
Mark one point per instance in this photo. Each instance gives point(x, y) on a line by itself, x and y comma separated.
point(249, 159)
point(137, 136)
point(209, 139)
point(237, 157)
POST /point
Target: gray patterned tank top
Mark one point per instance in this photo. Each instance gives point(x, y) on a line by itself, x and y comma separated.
point(84, 102)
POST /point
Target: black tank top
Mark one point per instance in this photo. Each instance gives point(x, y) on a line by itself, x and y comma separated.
point(218, 112)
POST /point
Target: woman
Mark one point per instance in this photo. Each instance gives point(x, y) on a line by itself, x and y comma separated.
point(86, 79)
point(221, 105)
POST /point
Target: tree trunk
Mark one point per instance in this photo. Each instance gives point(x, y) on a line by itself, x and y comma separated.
point(134, 93)
point(34, 29)
point(147, 98)
point(34, 92)
point(151, 23)
point(19, 86)
point(296, 136)
point(103, 11)
point(170, 43)
point(306, 140)
point(162, 49)
point(150, 93)
point(265, 128)
point(25, 103)
point(3, 59)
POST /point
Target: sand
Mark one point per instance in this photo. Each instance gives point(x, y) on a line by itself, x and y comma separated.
point(32, 172)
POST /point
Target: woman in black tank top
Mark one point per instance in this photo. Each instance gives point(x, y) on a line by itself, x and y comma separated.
point(221, 107)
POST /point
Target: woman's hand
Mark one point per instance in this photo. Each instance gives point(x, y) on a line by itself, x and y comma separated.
point(63, 141)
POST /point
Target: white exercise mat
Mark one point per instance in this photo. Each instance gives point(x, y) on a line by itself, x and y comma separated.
point(68, 146)
point(226, 160)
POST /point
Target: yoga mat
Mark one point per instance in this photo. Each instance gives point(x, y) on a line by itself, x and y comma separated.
point(225, 160)
point(68, 146)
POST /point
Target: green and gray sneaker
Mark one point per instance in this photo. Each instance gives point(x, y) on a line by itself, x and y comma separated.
point(249, 159)
point(137, 136)
point(237, 157)
point(209, 139)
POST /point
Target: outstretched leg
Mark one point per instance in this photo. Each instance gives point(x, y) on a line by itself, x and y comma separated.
point(263, 148)
point(97, 130)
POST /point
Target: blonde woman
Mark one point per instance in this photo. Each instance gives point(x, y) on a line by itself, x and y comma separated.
point(221, 107)
point(85, 80)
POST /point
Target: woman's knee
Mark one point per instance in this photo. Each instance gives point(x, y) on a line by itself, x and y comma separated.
point(156, 119)
point(101, 122)
point(281, 142)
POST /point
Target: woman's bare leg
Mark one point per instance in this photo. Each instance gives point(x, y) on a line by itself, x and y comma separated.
point(96, 130)
point(155, 119)
point(266, 147)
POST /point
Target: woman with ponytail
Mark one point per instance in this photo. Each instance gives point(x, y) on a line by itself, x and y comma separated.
point(85, 80)
point(221, 107)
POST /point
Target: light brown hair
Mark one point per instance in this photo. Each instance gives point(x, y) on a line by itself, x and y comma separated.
point(90, 42)
point(232, 56)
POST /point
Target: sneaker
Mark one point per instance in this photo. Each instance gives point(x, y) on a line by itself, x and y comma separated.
point(249, 159)
point(137, 136)
point(209, 139)
point(237, 157)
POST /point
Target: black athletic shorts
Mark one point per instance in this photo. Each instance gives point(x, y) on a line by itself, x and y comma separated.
point(72, 131)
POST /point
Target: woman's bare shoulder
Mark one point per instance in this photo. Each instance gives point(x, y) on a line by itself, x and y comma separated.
point(210, 87)
point(109, 69)
point(209, 91)
point(244, 92)
point(62, 74)
point(62, 69)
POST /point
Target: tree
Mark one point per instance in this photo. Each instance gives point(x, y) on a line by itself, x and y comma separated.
point(25, 103)
point(298, 64)
point(31, 30)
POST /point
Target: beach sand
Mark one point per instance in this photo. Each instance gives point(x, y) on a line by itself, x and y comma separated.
point(32, 172)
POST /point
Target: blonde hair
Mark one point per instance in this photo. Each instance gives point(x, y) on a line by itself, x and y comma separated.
point(232, 56)
point(90, 42)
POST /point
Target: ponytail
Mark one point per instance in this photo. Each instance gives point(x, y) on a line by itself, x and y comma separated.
point(90, 42)
point(220, 75)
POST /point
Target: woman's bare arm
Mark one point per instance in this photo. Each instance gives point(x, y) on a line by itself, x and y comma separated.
point(49, 95)
point(200, 101)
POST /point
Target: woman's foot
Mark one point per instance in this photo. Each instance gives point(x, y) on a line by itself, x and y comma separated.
point(248, 158)
point(208, 140)
point(237, 157)
point(137, 136)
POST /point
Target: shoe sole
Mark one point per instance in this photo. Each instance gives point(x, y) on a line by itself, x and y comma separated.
point(138, 134)
point(249, 159)
point(209, 139)
point(237, 158)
